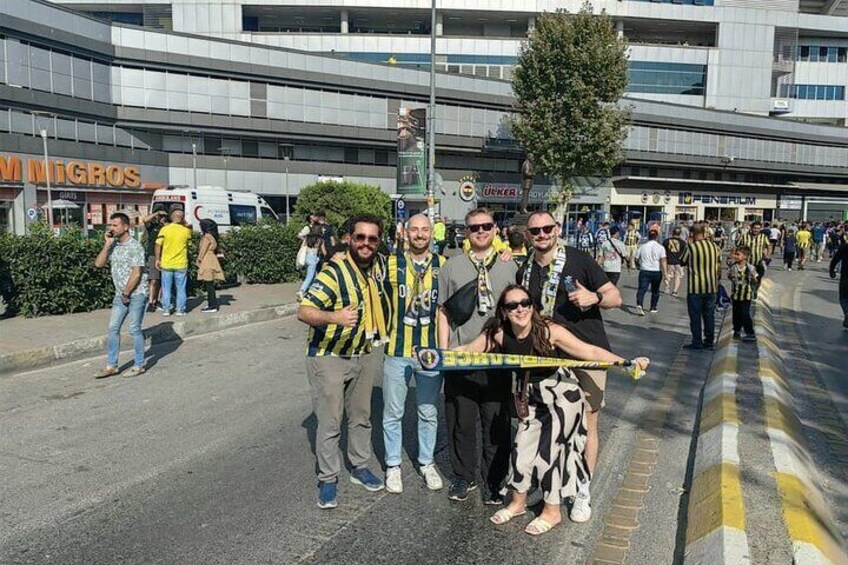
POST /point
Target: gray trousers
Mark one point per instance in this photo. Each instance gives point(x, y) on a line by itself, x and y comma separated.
point(339, 385)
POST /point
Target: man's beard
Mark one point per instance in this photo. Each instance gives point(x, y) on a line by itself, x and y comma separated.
point(548, 245)
point(419, 250)
point(362, 262)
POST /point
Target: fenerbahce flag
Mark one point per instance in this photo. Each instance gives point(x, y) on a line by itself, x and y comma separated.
point(450, 360)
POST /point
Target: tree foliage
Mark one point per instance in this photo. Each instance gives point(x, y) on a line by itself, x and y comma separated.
point(571, 74)
point(341, 200)
point(263, 253)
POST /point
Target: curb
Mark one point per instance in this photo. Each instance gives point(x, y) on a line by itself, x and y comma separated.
point(715, 530)
point(158, 334)
point(811, 527)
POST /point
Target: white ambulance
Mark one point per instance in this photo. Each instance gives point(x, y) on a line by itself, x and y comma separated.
point(229, 208)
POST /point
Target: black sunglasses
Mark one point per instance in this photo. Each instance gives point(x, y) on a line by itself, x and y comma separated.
point(546, 229)
point(361, 238)
point(474, 228)
point(513, 306)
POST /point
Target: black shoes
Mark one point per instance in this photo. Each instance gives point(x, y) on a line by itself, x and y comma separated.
point(460, 488)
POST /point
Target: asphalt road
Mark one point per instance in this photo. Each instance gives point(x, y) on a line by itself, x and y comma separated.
point(207, 459)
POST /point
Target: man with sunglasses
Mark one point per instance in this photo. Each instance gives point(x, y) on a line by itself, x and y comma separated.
point(480, 276)
point(347, 315)
point(570, 287)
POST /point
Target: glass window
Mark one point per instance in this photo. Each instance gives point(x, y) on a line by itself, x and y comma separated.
point(62, 83)
point(102, 82)
point(22, 123)
point(86, 132)
point(242, 214)
point(82, 78)
point(832, 54)
point(842, 55)
point(17, 55)
point(805, 52)
point(67, 129)
point(4, 120)
point(105, 135)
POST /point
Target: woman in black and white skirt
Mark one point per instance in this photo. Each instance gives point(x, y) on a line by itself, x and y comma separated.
point(552, 436)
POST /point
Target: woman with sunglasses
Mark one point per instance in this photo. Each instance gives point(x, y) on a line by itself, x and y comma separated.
point(551, 438)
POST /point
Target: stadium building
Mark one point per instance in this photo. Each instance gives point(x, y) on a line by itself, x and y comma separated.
point(738, 105)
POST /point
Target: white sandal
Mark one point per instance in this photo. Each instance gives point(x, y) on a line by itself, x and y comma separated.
point(504, 515)
point(538, 527)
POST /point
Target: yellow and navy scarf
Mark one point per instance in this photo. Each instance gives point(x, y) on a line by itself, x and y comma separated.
point(485, 298)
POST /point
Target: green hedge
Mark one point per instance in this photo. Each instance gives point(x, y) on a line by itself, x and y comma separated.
point(45, 275)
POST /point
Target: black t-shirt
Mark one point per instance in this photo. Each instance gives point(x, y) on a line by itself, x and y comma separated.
point(515, 346)
point(674, 249)
point(588, 325)
point(152, 233)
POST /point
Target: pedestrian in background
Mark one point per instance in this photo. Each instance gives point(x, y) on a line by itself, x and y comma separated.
point(675, 249)
point(611, 253)
point(440, 235)
point(742, 276)
point(312, 250)
point(804, 241)
point(818, 242)
point(841, 257)
point(172, 261)
point(653, 263)
point(703, 261)
point(789, 249)
point(126, 256)
point(517, 248)
point(758, 243)
point(208, 266)
point(631, 244)
point(152, 224)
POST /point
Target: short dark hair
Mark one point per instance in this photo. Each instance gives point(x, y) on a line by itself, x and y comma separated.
point(516, 238)
point(120, 216)
point(653, 234)
point(540, 213)
point(366, 219)
point(756, 224)
point(614, 230)
point(675, 232)
point(744, 249)
point(478, 212)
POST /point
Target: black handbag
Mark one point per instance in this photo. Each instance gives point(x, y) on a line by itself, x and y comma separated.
point(462, 304)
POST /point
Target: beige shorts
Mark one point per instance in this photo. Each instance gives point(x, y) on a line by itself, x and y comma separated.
point(594, 383)
point(675, 271)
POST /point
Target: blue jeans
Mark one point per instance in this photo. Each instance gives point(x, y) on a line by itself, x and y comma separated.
point(397, 372)
point(652, 279)
point(169, 278)
point(135, 310)
point(702, 308)
point(311, 267)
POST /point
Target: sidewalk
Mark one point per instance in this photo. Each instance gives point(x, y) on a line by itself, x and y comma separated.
point(28, 343)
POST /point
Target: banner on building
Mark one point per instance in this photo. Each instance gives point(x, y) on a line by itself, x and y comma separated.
point(412, 151)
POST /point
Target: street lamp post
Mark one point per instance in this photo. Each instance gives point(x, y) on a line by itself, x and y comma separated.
point(431, 119)
point(225, 151)
point(194, 161)
point(286, 159)
point(47, 179)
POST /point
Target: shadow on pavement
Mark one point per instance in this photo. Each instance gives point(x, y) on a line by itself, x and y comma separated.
point(163, 341)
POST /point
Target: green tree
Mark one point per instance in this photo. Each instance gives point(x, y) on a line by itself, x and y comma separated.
point(571, 74)
point(341, 200)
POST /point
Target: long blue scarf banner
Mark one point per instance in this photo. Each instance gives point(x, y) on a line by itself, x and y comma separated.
point(452, 360)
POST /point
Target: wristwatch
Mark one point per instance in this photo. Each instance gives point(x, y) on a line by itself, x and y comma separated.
point(600, 297)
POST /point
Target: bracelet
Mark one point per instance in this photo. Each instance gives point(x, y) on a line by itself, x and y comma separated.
point(600, 297)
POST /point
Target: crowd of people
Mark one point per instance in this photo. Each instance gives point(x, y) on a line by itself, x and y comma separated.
point(537, 296)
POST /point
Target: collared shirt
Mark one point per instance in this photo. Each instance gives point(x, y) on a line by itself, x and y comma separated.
point(759, 245)
point(124, 257)
point(399, 284)
point(703, 261)
point(341, 283)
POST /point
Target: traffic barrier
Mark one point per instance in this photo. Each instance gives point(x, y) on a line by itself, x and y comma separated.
point(715, 530)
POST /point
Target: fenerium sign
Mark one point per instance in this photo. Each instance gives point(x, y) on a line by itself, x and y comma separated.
point(14, 169)
point(723, 199)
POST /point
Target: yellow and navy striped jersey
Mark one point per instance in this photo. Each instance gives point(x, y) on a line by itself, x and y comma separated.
point(399, 284)
point(742, 277)
point(631, 237)
point(341, 283)
point(759, 245)
point(703, 261)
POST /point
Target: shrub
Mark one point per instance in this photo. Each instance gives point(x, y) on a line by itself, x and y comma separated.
point(41, 274)
point(264, 253)
point(342, 200)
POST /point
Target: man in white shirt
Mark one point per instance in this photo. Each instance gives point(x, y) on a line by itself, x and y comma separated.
point(653, 262)
point(774, 237)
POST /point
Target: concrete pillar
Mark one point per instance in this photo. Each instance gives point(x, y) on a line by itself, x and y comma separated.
point(619, 28)
point(343, 19)
point(440, 26)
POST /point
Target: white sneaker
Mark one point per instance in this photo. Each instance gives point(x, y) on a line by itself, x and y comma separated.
point(394, 482)
point(581, 511)
point(432, 477)
point(640, 311)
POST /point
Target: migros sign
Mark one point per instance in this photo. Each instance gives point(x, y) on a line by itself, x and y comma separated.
point(68, 173)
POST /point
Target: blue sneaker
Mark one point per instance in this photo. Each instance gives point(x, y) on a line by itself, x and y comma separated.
point(327, 495)
point(366, 478)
